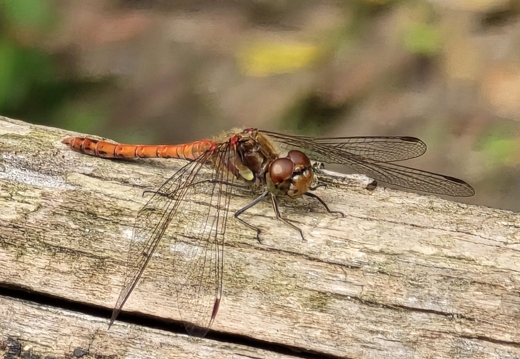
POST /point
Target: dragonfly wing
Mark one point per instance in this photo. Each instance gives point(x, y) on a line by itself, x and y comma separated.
point(185, 221)
point(414, 179)
point(378, 149)
point(373, 156)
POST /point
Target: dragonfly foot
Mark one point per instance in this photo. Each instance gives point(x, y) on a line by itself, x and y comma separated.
point(341, 214)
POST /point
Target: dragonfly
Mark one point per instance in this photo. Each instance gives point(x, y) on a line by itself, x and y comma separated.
point(270, 164)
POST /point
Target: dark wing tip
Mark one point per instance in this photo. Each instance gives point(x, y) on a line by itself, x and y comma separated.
point(464, 189)
point(115, 313)
point(200, 330)
point(411, 139)
point(195, 330)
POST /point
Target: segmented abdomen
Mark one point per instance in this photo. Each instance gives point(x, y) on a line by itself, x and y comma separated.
point(99, 148)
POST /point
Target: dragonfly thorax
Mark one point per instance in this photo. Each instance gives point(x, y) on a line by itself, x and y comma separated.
point(259, 162)
point(254, 155)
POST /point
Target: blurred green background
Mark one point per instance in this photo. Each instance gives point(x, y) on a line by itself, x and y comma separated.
point(166, 71)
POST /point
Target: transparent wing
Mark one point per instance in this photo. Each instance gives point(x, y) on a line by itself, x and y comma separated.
point(379, 149)
point(188, 215)
point(414, 179)
point(373, 156)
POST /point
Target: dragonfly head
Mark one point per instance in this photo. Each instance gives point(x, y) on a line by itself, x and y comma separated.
point(291, 175)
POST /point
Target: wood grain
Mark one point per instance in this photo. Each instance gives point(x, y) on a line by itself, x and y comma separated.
point(401, 276)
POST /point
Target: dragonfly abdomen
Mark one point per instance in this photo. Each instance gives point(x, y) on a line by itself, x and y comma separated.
point(105, 149)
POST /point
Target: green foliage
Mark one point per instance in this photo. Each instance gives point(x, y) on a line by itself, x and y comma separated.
point(501, 146)
point(27, 13)
point(33, 85)
point(422, 39)
point(21, 70)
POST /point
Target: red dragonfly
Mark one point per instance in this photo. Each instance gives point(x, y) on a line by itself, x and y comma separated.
point(249, 158)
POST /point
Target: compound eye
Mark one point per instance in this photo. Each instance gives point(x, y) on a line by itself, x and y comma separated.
point(299, 158)
point(281, 170)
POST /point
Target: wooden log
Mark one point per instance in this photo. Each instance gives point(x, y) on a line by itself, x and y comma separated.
point(42, 331)
point(401, 276)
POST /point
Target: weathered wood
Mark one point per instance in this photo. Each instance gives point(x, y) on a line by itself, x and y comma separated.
point(401, 276)
point(43, 331)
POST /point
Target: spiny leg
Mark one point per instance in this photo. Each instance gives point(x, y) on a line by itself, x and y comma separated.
point(278, 216)
point(252, 204)
point(324, 204)
point(318, 186)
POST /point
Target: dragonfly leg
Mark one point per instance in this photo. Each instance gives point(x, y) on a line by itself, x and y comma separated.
point(324, 204)
point(278, 216)
point(318, 186)
point(252, 204)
